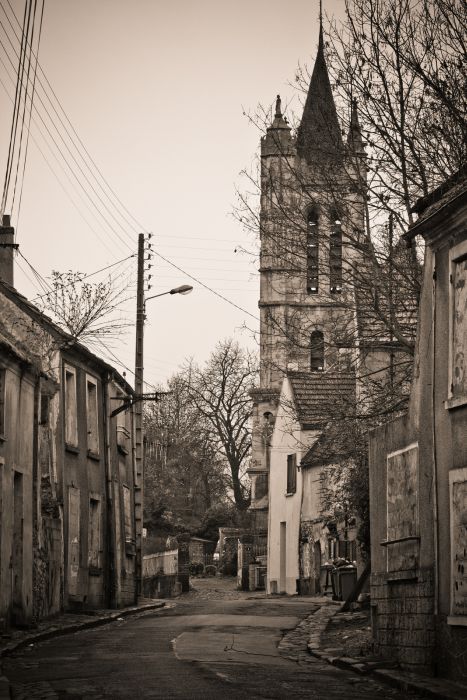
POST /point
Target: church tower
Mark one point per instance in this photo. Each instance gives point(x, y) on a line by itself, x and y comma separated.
point(311, 219)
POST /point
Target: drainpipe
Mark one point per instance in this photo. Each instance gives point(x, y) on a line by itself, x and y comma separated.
point(433, 441)
point(111, 552)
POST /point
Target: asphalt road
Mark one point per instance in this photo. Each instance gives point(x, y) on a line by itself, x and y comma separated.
point(196, 647)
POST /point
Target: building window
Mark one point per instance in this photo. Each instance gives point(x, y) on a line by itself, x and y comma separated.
point(335, 254)
point(2, 400)
point(458, 369)
point(71, 418)
point(44, 411)
point(94, 533)
point(92, 415)
point(312, 252)
point(127, 514)
point(291, 473)
point(316, 351)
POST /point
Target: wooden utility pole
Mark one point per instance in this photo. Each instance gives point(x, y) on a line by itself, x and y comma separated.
point(139, 455)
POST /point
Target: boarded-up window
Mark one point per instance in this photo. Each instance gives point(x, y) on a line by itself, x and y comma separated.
point(402, 509)
point(71, 419)
point(92, 415)
point(459, 326)
point(127, 514)
point(458, 499)
point(291, 473)
point(312, 252)
point(73, 539)
point(317, 351)
point(2, 401)
point(94, 533)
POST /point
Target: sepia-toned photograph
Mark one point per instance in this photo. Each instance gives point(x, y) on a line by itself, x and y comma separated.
point(233, 349)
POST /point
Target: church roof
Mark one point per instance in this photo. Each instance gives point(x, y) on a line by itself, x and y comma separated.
point(319, 133)
point(320, 396)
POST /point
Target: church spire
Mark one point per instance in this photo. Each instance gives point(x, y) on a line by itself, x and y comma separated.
point(319, 134)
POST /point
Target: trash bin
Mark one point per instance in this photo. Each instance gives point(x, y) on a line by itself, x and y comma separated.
point(344, 579)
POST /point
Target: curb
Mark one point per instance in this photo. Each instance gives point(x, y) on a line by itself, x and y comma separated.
point(75, 627)
point(384, 671)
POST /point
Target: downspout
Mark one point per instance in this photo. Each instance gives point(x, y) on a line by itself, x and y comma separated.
point(433, 443)
point(110, 539)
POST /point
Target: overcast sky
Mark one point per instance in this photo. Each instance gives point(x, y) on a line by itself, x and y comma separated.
point(156, 92)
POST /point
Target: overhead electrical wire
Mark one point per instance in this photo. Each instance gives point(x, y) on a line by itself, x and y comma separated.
point(29, 124)
point(60, 181)
point(97, 180)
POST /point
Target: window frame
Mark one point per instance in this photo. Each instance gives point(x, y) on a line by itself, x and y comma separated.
point(336, 232)
point(291, 486)
point(317, 333)
point(92, 415)
point(456, 255)
point(94, 564)
point(312, 261)
point(2, 403)
point(70, 400)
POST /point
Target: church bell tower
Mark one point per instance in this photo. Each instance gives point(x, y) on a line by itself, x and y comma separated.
point(311, 218)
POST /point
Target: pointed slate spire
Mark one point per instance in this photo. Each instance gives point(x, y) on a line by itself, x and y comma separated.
point(319, 135)
point(354, 137)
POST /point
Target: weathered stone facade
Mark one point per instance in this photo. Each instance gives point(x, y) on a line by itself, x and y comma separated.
point(418, 464)
point(71, 463)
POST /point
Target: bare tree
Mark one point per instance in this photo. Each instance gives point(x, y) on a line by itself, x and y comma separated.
point(85, 310)
point(220, 391)
point(185, 475)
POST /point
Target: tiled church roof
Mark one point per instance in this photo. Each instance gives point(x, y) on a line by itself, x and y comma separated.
point(321, 395)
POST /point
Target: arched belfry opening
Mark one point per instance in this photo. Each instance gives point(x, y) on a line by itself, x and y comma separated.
point(335, 253)
point(317, 351)
point(312, 251)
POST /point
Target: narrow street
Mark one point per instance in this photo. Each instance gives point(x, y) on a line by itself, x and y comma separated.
point(213, 642)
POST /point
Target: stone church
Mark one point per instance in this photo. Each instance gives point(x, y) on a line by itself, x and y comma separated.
point(314, 337)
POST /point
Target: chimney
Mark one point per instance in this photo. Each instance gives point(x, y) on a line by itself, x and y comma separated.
point(7, 248)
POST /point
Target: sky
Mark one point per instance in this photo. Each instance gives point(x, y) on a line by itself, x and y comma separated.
point(156, 91)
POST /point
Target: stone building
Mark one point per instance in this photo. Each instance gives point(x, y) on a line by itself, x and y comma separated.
point(72, 457)
point(312, 202)
point(318, 317)
point(418, 465)
point(19, 397)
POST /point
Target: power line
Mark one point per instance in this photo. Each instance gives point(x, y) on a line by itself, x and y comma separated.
point(91, 274)
point(138, 224)
point(206, 286)
point(59, 180)
point(29, 124)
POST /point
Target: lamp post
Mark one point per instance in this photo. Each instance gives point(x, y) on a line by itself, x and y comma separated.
point(139, 395)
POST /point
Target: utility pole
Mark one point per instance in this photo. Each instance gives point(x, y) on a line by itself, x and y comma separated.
point(138, 416)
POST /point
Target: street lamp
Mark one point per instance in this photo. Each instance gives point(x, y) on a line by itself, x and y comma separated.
point(184, 289)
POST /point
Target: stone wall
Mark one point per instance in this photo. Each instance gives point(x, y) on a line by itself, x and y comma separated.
point(403, 618)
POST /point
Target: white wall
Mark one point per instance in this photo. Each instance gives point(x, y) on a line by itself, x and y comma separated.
point(287, 439)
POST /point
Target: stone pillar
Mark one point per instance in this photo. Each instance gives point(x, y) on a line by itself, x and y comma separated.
point(245, 557)
point(184, 561)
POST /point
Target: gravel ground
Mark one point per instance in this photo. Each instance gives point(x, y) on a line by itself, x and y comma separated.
point(349, 633)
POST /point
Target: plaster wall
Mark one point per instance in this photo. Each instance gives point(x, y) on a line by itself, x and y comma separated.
point(17, 451)
point(284, 508)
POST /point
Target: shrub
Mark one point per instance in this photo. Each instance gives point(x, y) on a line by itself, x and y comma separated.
point(196, 568)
